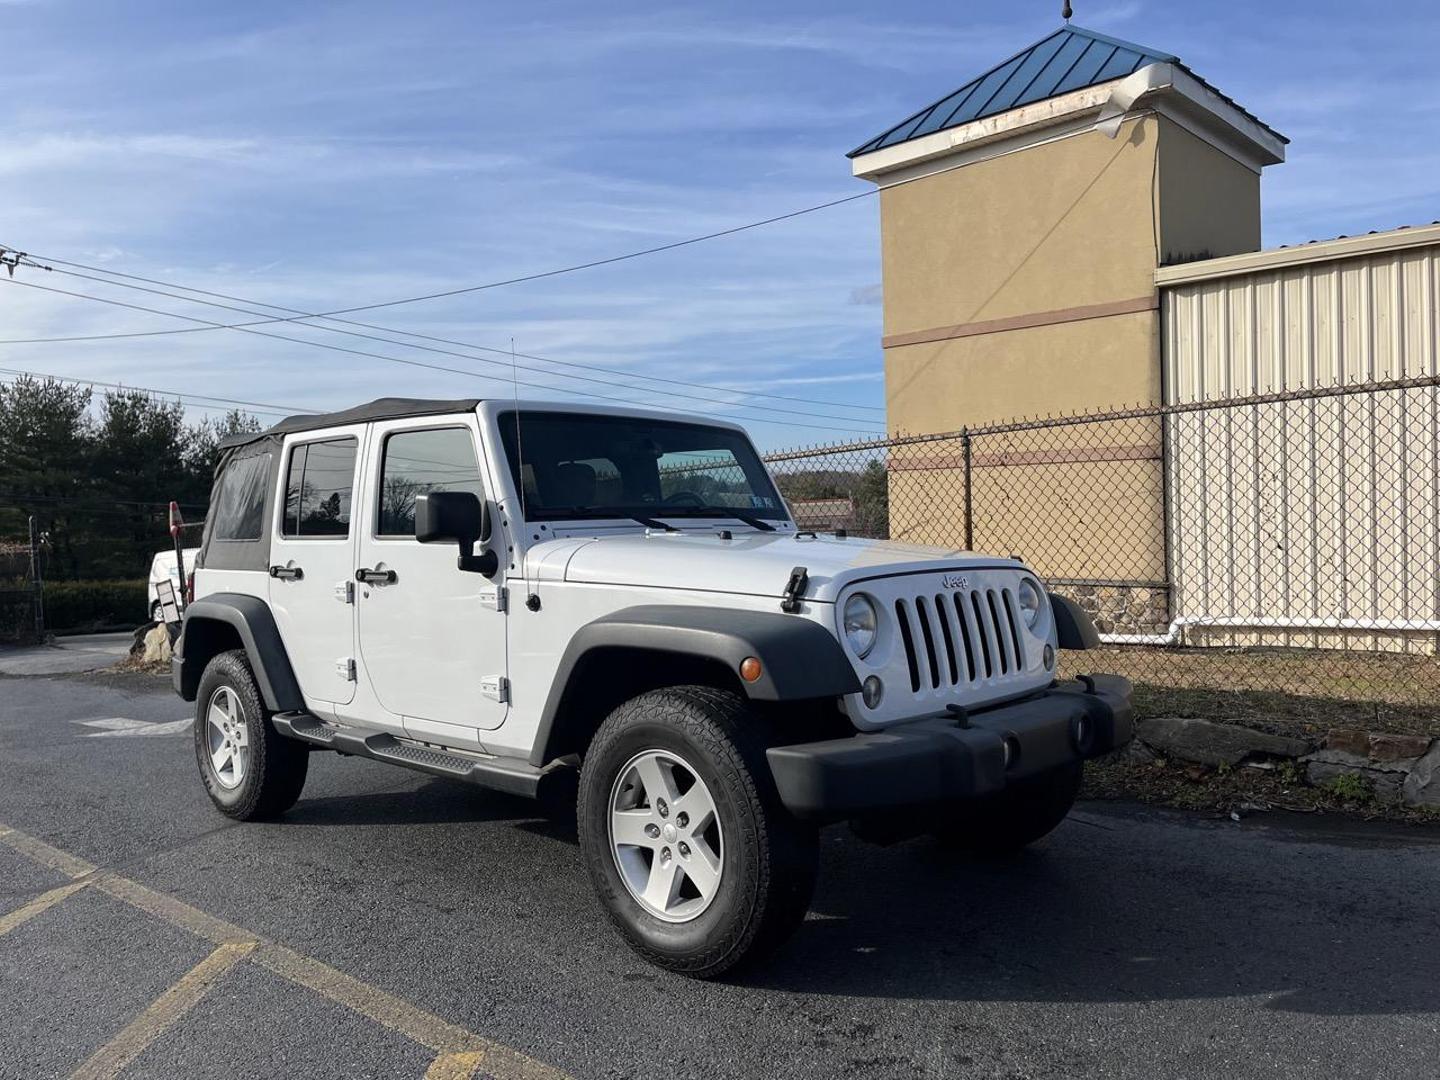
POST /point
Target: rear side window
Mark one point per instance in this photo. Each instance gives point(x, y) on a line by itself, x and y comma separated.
point(240, 499)
point(318, 489)
point(417, 463)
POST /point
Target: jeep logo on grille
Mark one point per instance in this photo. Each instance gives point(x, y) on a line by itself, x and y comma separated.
point(954, 581)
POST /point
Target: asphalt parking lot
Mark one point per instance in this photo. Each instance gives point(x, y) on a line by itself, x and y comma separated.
point(393, 925)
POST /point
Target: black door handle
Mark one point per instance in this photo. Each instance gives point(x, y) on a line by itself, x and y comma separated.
point(287, 573)
point(375, 577)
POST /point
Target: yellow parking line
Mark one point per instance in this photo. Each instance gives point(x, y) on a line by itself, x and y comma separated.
point(460, 1052)
point(162, 1013)
point(459, 1066)
point(46, 855)
point(11, 919)
point(422, 1027)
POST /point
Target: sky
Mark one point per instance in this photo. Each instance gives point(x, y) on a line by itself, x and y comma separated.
point(325, 155)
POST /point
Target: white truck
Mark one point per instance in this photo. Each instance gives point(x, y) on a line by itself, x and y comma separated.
point(615, 605)
point(165, 567)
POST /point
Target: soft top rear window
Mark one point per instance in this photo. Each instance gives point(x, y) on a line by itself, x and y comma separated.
point(239, 500)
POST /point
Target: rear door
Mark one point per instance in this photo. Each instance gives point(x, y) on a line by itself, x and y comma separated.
point(312, 560)
point(430, 636)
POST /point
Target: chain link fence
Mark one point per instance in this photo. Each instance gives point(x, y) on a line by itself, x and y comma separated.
point(1276, 552)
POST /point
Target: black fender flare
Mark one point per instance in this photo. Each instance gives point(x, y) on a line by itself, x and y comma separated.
point(251, 619)
point(1073, 628)
point(799, 659)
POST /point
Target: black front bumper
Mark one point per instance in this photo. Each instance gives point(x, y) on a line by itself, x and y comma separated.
point(946, 759)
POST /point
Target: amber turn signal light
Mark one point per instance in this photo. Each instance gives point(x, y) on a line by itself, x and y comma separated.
point(750, 669)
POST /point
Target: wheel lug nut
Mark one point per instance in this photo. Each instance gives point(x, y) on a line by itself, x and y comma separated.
point(682, 819)
point(684, 850)
point(662, 807)
point(652, 830)
point(665, 855)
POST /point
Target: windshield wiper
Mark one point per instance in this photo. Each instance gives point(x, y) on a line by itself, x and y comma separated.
point(727, 511)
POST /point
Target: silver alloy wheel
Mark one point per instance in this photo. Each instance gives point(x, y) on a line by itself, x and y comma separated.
point(227, 737)
point(665, 835)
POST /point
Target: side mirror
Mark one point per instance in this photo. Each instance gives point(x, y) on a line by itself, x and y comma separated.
point(457, 517)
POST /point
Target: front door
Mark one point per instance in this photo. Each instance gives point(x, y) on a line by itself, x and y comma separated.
point(312, 560)
point(431, 633)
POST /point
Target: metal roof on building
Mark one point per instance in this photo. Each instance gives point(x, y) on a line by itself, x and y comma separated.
point(1070, 59)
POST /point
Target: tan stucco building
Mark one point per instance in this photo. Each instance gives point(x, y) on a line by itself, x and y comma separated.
point(1023, 218)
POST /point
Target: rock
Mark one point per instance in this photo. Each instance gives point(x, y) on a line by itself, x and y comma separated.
point(1349, 740)
point(1209, 743)
point(1422, 785)
point(1397, 747)
point(1384, 777)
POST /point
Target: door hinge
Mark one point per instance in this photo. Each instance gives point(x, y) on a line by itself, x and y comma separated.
point(495, 687)
point(345, 668)
point(493, 597)
point(345, 592)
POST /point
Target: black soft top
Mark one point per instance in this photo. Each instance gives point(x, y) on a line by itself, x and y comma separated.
point(385, 408)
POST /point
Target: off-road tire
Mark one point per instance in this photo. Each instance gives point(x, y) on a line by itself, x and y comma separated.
point(275, 773)
point(769, 859)
point(1025, 811)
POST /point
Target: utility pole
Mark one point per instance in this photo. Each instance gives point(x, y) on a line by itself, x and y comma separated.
point(35, 581)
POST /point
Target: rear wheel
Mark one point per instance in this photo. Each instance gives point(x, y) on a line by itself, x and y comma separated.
point(249, 769)
point(1021, 814)
point(693, 856)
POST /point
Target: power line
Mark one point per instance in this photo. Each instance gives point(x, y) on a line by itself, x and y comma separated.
point(156, 504)
point(610, 261)
point(450, 352)
point(257, 406)
point(299, 317)
point(362, 352)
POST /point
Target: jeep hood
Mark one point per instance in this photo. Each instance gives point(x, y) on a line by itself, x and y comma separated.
point(752, 564)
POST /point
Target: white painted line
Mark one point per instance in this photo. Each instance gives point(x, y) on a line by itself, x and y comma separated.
point(121, 726)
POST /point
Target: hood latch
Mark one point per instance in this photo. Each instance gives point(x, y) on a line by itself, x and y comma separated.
point(794, 589)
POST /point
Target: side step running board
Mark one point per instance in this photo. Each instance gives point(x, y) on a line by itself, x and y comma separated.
point(510, 775)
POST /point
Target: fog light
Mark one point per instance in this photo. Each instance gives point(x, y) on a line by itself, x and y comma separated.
point(871, 690)
point(1049, 658)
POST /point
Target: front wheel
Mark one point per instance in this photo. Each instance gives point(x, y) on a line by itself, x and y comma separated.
point(1021, 814)
point(693, 856)
point(249, 769)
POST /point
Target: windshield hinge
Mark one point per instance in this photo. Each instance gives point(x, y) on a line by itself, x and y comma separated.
point(794, 589)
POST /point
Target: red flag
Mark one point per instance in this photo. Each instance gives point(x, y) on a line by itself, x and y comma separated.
point(176, 521)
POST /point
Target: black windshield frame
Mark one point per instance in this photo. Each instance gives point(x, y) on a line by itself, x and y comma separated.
point(548, 439)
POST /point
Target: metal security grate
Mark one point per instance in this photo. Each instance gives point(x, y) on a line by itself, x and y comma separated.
point(959, 637)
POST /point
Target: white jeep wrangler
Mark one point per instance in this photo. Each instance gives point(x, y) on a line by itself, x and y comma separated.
point(534, 596)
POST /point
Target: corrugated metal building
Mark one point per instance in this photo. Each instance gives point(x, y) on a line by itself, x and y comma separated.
point(1317, 518)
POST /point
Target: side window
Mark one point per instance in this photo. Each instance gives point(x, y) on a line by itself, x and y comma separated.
point(318, 487)
point(240, 499)
point(417, 463)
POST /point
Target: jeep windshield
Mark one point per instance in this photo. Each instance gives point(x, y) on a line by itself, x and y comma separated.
point(589, 465)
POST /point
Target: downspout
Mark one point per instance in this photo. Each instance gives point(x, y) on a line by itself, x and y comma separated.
point(1173, 633)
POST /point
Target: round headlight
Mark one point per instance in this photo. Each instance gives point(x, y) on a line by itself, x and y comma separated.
point(860, 622)
point(1029, 595)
